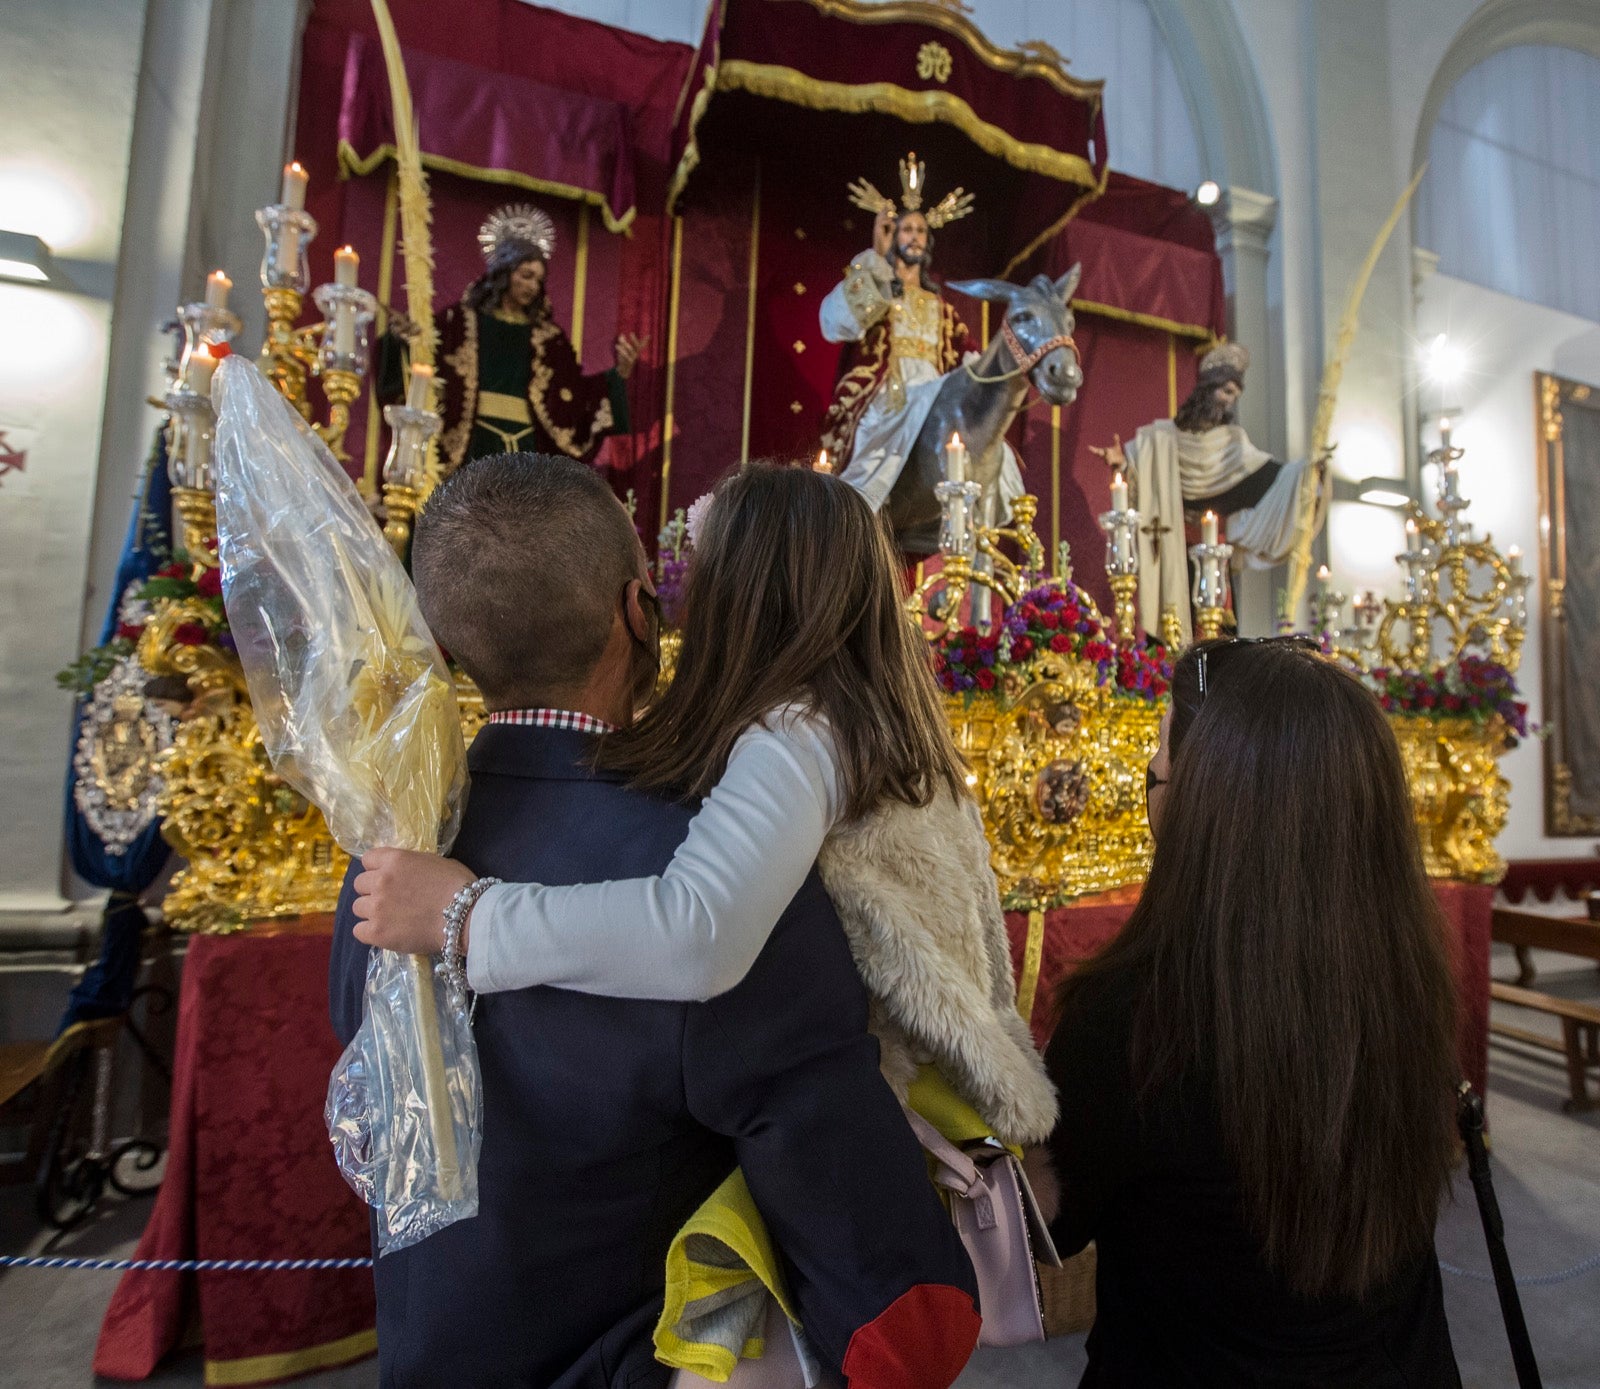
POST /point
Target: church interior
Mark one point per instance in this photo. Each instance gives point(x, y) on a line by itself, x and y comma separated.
point(1141, 324)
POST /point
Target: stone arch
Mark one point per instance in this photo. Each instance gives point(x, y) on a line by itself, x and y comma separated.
point(1502, 24)
point(1223, 90)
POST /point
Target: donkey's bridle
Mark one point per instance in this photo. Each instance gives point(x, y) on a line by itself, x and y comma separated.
point(1026, 361)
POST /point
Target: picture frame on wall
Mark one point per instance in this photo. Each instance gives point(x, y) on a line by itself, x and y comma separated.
point(1567, 416)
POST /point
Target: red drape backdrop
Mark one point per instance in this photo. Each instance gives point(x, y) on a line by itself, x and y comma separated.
point(562, 101)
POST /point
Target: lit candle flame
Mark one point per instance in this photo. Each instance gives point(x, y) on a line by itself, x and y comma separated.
point(822, 465)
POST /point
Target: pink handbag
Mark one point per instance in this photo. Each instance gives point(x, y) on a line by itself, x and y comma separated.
point(999, 1221)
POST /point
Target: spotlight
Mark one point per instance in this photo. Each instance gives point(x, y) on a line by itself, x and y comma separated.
point(24, 257)
point(1443, 362)
point(1383, 491)
point(1209, 193)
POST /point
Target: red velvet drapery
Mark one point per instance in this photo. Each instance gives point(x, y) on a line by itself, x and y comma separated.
point(575, 117)
point(572, 104)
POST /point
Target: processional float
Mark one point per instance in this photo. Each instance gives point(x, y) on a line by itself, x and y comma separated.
point(1055, 704)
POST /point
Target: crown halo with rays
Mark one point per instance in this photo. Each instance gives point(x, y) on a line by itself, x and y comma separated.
point(913, 175)
point(518, 222)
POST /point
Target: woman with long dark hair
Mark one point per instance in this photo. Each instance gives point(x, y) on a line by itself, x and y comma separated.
point(1257, 1075)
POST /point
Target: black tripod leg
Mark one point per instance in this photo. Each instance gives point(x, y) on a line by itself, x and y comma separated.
point(1469, 1118)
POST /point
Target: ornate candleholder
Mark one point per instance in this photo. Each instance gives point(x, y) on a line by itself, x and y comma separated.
point(1327, 609)
point(1121, 526)
point(347, 314)
point(405, 470)
point(204, 325)
point(1210, 592)
point(958, 533)
point(286, 353)
point(189, 469)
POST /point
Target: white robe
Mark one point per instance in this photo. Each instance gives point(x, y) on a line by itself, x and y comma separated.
point(886, 434)
point(1170, 464)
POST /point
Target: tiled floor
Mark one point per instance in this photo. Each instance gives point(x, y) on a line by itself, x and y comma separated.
point(1547, 1170)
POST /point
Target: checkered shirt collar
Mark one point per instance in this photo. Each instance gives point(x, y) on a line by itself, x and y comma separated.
point(552, 718)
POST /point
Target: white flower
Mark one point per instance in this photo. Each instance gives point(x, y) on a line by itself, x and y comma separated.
point(697, 517)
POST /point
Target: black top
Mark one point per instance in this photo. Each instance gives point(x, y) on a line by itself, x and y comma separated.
point(1185, 1298)
point(606, 1121)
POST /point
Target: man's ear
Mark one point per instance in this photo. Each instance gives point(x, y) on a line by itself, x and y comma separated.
point(634, 611)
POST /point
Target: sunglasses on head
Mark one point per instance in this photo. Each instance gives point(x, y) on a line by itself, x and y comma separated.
point(1203, 655)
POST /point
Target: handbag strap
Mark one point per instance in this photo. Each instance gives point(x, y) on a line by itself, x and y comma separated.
point(956, 1170)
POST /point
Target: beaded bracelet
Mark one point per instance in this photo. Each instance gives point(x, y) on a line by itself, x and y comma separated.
point(455, 922)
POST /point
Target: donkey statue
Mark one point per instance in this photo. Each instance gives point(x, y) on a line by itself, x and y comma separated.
point(979, 401)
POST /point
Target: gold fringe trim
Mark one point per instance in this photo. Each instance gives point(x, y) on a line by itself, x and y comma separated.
point(1013, 62)
point(919, 108)
point(352, 164)
point(263, 1369)
point(1207, 337)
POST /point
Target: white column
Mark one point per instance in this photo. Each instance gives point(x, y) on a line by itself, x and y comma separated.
point(1244, 221)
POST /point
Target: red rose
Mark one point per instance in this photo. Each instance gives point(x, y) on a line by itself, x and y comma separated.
point(1050, 620)
point(130, 631)
point(1061, 642)
point(209, 584)
point(985, 678)
point(172, 571)
point(189, 634)
point(1021, 649)
point(1452, 703)
point(219, 350)
point(1070, 614)
point(1429, 700)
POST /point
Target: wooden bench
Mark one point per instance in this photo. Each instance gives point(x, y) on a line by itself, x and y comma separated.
point(1580, 1036)
point(1529, 931)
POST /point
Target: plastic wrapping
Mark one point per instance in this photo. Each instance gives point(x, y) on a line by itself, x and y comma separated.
point(357, 712)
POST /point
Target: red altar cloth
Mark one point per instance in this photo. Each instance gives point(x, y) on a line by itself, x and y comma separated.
point(1544, 877)
point(1075, 932)
point(249, 1176)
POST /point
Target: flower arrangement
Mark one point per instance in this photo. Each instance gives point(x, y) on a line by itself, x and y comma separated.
point(1054, 618)
point(173, 582)
point(1470, 687)
point(673, 545)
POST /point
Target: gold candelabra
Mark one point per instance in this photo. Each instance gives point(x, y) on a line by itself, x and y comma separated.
point(1460, 592)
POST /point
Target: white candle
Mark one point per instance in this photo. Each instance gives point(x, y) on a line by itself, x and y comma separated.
point(295, 179)
point(1323, 574)
point(345, 265)
point(1514, 559)
point(344, 329)
point(1411, 534)
point(955, 460)
point(1208, 528)
point(201, 367)
point(420, 385)
point(823, 463)
point(1119, 493)
point(287, 258)
point(217, 287)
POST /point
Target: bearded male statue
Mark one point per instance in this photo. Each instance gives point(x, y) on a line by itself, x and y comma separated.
point(1202, 460)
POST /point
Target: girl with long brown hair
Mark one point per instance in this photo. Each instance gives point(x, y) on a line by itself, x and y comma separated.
point(804, 712)
point(1257, 1074)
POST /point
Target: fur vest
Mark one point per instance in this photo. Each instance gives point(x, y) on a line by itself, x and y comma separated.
point(921, 907)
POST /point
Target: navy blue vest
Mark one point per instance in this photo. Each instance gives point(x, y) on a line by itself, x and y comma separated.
point(608, 1121)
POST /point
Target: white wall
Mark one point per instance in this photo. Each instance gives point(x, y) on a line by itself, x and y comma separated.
point(68, 89)
point(1506, 341)
point(139, 135)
